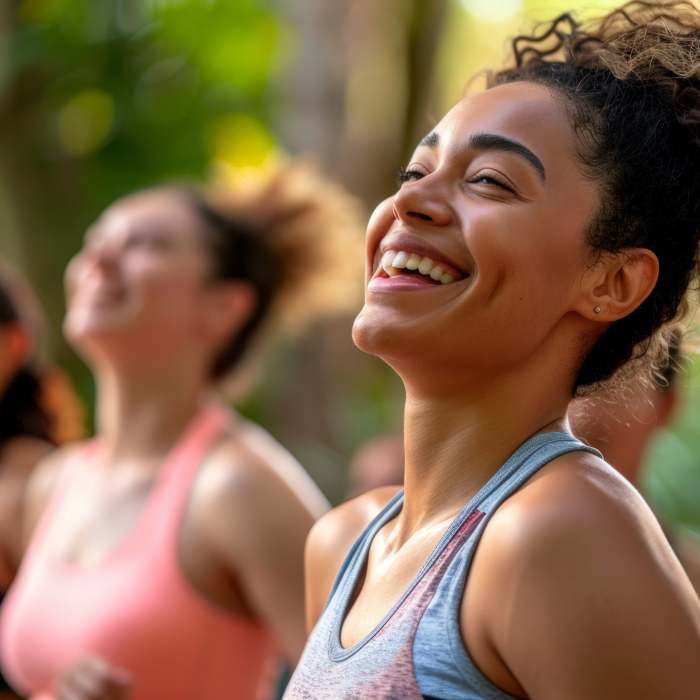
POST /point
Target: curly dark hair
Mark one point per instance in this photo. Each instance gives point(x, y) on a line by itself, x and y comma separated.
point(631, 86)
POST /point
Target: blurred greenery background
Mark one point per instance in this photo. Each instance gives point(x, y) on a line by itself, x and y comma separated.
point(101, 97)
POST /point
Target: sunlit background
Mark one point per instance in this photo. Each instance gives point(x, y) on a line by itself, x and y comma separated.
point(101, 97)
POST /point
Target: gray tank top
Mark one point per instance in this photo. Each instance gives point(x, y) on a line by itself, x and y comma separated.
point(416, 650)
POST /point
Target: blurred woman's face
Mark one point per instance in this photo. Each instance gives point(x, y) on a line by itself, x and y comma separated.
point(480, 253)
point(136, 286)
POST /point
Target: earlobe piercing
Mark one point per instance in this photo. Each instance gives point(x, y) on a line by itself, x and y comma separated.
point(596, 309)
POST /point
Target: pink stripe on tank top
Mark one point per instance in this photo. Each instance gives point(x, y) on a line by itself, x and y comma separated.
point(135, 609)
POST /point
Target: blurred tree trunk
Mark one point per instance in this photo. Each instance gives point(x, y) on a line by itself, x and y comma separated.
point(358, 88)
point(9, 240)
point(356, 94)
point(38, 192)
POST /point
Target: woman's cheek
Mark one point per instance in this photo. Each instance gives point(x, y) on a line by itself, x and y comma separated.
point(377, 227)
point(72, 275)
point(382, 216)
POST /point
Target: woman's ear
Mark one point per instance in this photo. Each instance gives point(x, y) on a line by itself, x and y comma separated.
point(230, 304)
point(617, 284)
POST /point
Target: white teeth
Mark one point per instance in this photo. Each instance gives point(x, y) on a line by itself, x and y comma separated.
point(413, 262)
point(400, 260)
point(387, 259)
point(394, 261)
point(426, 265)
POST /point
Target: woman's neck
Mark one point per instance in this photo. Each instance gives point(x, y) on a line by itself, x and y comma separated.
point(455, 442)
point(140, 414)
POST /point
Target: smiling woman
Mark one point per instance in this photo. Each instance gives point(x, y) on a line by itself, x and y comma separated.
point(163, 559)
point(543, 239)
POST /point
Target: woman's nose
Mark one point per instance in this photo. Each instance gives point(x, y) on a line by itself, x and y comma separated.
point(103, 255)
point(423, 200)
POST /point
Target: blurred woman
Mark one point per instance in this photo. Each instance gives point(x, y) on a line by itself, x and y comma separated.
point(166, 554)
point(26, 433)
point(542, 239)
point(37, 411)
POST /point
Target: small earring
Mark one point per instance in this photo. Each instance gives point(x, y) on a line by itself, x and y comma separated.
point(596, 309)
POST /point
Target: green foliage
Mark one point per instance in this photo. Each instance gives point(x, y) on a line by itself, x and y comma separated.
point(672, 479)
point(135, 90)
point(100, 98)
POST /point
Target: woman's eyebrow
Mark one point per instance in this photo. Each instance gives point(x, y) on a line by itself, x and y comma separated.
point(431, 140)
point(494, 142)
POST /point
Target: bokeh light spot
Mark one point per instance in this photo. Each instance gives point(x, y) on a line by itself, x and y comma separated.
point(493, 10)
point(85, 122)
point(241, 141)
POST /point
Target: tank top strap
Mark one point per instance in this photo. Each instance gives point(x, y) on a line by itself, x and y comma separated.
point(464, 533)
point(173, 482)
point(450, 672)
point(355, 559)
point(177, 474)
point(414, 650)
point(529, 458)
point(185, 458)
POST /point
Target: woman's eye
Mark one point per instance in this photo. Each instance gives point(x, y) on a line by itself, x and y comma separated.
point(146, 242)
point(489, 180)
point(409, 175)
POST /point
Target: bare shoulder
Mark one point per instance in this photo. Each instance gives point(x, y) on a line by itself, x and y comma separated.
point(249, 458)
point(335, 532)
point(251, 493)
point(577, 495)
point(24, 453)
point(578, 505)
point(578, 555)
point(18, 460)
point(43, 480)
point(249, 469)
point(330, 541)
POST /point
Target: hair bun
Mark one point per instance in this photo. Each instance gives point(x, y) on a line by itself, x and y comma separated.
point(657, 43)
point(313, 230)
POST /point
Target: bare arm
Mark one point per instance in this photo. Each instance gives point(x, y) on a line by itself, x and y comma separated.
point(256, 524)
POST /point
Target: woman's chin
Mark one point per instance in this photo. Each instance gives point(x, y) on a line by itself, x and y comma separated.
point(84, 330)
point(373, 333)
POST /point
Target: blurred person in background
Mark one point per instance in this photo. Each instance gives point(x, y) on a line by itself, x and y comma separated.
point(543, 239)
point(166, 555)
point(377, 462)
point(621, 424)
point(622, 427)
point(38, 411)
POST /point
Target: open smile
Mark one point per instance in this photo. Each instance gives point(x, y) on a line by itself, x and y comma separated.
point(404, 267)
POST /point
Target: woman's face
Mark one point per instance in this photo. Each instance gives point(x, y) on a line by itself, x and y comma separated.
point(137, 285)
point(493, 209)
